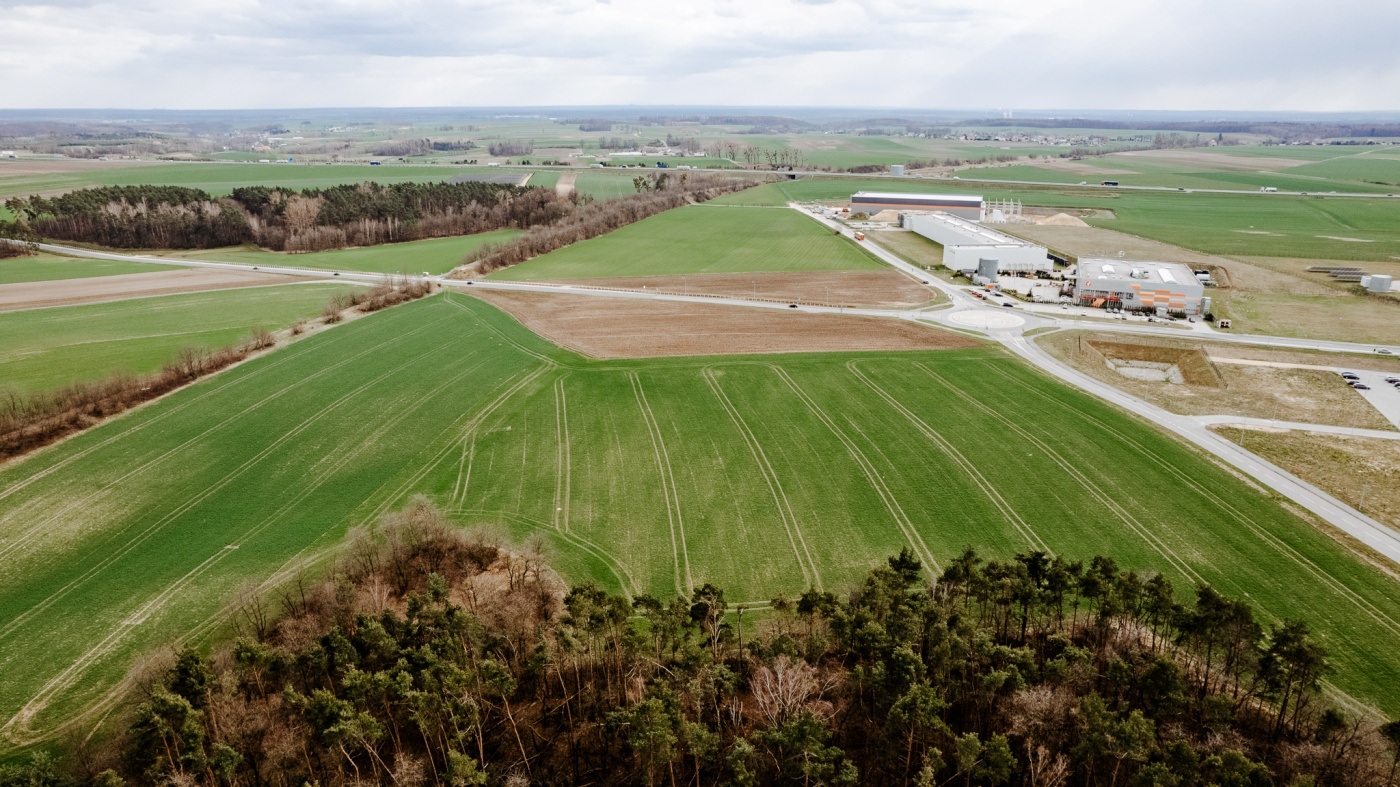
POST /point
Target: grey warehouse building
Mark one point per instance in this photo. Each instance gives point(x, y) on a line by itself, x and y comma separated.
point(1137, 285)
point(965, 206)
point(965, 243)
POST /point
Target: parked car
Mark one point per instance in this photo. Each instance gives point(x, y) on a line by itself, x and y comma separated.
point(1361, 387)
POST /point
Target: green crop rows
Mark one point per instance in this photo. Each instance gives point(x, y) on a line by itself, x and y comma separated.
point(433, 256)
point(700, 239)
point(47, 348)
point(761, 474)
point(1315, 227)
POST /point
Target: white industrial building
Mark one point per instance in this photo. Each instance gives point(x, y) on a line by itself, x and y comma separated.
point(1138, 285)
point(967, 206)
point(965, 243)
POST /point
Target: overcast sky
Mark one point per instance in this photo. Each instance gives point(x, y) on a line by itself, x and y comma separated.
point(1109, 54)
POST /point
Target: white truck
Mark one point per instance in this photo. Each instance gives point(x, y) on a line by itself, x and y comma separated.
point(1269, 189)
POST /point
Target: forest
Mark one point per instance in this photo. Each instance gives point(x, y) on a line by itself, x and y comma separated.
point(283, 219)
point(430, 654)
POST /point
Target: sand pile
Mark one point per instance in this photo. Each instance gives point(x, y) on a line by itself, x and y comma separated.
point(888, 216)
point(1061, 220)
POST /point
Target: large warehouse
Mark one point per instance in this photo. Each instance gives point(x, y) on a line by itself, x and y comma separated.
point(965, 242)
point(962, 205)
point(1135, 285)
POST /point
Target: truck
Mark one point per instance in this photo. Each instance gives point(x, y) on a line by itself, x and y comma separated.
point(1108, 183)
point(1269, 189)
point(860, 236)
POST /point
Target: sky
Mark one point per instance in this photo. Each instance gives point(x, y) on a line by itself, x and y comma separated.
point(1294, 55)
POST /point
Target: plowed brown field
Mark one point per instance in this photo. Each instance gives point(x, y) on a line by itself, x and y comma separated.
point(603, 327)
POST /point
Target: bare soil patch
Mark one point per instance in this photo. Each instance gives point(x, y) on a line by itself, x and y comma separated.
point(1303, 395)
point(68, 292)
point(565, 186)
point(17, 167)
point(1359, 471)
point(883, 288)
point(1080, 167)
point(1215, 161)
point(613, 328)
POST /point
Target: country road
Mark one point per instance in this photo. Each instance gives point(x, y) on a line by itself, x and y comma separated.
point(965, 313)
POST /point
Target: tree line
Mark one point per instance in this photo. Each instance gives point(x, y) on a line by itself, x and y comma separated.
point(432, 655)
point(284, 219)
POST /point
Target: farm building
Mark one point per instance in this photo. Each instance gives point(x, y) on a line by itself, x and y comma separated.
point(965, 242)
point(1135, 285)
point(961, 205)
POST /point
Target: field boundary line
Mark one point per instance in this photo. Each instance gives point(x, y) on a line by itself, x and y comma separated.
point(110, 642)
point(684, 587)
point(1278, 544)
point(205, 494)
point(1008, 511)
point(85, 502)
point(219, 381)
point(498, 332)
point(872, 476)
point(563, 477)
point(468, 458)
point(469, 428)
point(810, 573)
point(1154, 541)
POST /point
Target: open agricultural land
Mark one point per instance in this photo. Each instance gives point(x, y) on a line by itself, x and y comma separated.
point(434, 256)
point(700, 239)
point(47, 348)
point(758, 473)
point(52, 267)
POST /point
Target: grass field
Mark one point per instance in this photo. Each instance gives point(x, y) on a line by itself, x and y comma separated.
point(51, 267)
point(1270, 225)
point(434, 255)
point(700, 239)
point(761, 473)
point(47, 348)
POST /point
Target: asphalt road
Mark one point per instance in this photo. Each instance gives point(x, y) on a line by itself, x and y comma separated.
point(963, 312)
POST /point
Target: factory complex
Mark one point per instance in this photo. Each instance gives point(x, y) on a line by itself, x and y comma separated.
point(966, 243)
point(1166, 288)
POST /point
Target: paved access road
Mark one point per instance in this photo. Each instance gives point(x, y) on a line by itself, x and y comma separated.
point(965, 313)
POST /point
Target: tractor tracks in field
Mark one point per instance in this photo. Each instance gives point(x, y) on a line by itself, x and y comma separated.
point(1268, 538)
point(872, 475)
point(85, 503)
point(1153, 541)
point(217, 383)
point(206, 493)
point(324, 474)
point(563, 476)
point(1008, 511)
point(810, 574)
point(685, 583)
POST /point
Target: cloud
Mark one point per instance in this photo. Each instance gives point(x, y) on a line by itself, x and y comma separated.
point(1150, 54)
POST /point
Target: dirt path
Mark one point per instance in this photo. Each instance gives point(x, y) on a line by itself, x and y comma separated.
point(70, 292)
point(565, 186)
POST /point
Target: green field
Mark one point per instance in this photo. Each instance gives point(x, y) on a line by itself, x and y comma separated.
point(433, 256)
point(700, 239)
point(1313, 227)
point(46, 348)
point(51, 267)
point(1309, 169)
point(761, 474)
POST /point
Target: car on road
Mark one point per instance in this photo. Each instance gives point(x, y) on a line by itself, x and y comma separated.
point(792, 306)
point(1384, 351)
point(1009, 305)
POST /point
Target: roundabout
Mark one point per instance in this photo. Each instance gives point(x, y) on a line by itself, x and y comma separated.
point(986, 319)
